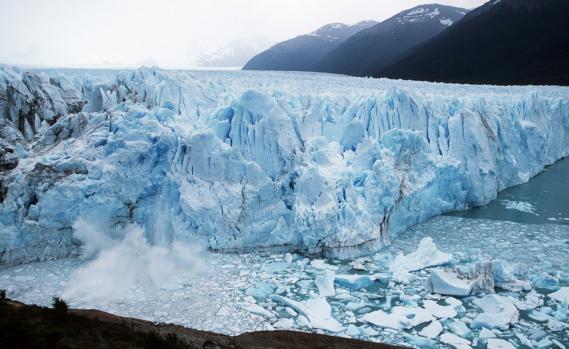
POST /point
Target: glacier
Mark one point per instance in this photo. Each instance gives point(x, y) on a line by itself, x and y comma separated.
point(312, 163)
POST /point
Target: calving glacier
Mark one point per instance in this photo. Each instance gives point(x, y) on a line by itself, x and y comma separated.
point(314, 163)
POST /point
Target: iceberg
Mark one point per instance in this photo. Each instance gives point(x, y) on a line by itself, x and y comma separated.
point(311, 163)
point(449, 283)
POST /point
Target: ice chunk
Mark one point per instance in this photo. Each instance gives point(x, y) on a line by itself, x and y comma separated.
point(322, 265)
point(352, 330)
point(284, 324)
point(486, 333)
point(561, 296)
point(496, 343)
point(317, 311)
point(260, 290)
point(355, 282)
point(258, 310)
point(521, 206)
point(499, 313)
point(448, 283)
point(482, 275)
point(546, 282)
point(325, 284)
point(532, 301)
point(458, 327)
point(505, 276)
point(399, 318)
point(426, 255)
point(419, 341)
point(440, 311)
point(432, 330)
point(455, 341)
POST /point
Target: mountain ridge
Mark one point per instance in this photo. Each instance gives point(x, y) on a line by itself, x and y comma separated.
point(381, 45)
point(502, 42)
point(302, 52)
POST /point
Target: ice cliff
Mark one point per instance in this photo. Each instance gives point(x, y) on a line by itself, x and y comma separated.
point(316, 163)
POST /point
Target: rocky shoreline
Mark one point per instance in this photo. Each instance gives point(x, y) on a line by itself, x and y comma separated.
point(31, 326)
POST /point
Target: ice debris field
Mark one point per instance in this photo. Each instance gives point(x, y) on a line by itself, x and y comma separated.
point(313, 179)
point(501, 285)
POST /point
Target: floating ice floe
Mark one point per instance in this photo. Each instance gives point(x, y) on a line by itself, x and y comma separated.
point(322, 265)
point(532, 300)
point(260, 290)
point(498, 313)
point(521, 206)
point(355, 282)
point(318, 312)
point(443, 311)
point(458, 327)
point(455, 341)
point(258, 310)
point(400, 317)
point(496, 343)
point(426, 255)
point(486, 333)
point(561, 296)
point(432, 330)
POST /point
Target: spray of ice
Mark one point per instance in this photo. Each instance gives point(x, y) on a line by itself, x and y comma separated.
point(117, 267)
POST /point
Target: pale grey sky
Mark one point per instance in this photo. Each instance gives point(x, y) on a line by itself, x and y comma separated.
point(168, 33)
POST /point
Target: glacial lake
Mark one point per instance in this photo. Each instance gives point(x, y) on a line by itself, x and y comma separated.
point(544, 199)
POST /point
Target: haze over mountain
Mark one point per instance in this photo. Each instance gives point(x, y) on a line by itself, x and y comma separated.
point(303, 52)
point(501, 42)
point(235, 54)
point(379, 46)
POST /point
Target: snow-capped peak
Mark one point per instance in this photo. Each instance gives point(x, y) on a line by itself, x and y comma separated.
point(420, 14)
point(444, 14)
point(340, 31)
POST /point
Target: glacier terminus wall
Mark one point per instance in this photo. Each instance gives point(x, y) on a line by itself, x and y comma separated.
point(314, 163)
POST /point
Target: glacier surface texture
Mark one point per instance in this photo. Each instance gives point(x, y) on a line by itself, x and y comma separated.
point(312, 163)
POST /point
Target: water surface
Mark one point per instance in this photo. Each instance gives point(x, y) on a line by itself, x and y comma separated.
point(544, 199)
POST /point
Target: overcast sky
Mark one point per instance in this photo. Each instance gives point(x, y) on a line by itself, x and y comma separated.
point(168, 33)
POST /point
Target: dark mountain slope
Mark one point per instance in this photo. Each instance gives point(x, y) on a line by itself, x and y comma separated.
point(376, 48)
point(502, 42)
point(303, 52)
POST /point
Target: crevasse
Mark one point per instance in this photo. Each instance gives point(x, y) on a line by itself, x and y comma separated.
point(316, 163)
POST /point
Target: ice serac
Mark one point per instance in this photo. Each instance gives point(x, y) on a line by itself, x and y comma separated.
point(318, 164)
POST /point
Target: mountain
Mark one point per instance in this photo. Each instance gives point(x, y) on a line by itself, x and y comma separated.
point(236, 54)
point(303, 52)
point(379, 46)
point(501, 42)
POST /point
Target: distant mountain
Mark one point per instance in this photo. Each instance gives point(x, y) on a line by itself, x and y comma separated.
point(377, 47)
point(236, 54)
point(501, 42)
point(303, 52)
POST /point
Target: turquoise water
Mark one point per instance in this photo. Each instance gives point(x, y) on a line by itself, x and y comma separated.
point(544, 199)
